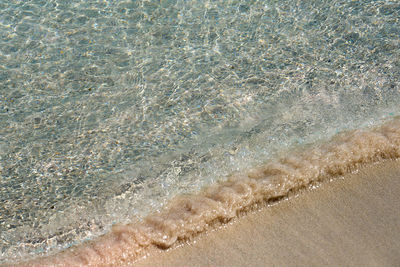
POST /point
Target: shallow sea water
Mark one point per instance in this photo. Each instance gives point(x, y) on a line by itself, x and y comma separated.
point(110, 108)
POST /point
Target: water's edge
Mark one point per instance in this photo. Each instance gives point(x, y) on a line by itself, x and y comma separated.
point(188, 215)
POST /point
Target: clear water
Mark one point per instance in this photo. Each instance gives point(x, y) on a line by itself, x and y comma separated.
point(110, 108)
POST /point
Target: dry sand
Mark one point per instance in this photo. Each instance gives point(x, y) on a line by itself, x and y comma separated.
point(354, 221)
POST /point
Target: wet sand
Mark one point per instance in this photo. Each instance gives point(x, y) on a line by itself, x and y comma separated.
point(350, 221)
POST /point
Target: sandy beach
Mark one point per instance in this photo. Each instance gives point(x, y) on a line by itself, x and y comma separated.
point(349, 221)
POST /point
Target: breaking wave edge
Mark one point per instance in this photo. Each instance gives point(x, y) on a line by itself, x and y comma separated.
point(188, 215)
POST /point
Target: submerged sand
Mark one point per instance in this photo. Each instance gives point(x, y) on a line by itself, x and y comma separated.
point(350, 221)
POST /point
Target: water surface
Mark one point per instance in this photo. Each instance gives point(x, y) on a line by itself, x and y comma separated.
point(110, 108)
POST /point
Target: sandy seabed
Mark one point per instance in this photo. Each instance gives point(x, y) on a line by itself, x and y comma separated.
point(350, 221)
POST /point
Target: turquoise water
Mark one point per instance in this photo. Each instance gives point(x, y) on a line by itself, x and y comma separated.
point(110, 108)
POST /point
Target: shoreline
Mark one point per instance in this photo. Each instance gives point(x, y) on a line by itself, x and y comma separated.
point(352, 220)
point(187, 216)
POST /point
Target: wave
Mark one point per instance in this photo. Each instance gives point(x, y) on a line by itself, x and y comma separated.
point(188, 215)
